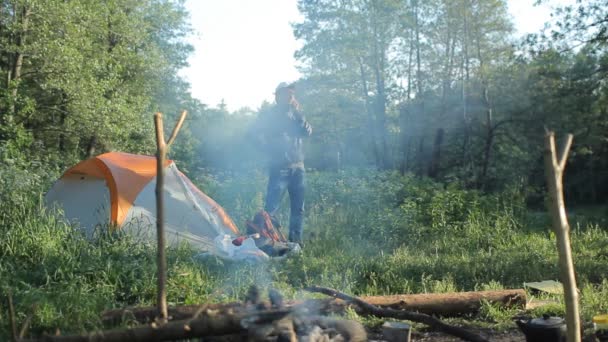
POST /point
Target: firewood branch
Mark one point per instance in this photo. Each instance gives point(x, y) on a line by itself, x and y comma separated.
point(401, 314)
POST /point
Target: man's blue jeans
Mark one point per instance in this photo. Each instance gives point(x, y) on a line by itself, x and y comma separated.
point(291, 180)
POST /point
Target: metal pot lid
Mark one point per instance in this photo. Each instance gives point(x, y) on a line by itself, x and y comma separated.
point(547, 322)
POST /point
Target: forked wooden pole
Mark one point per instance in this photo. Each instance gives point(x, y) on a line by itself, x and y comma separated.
point(161, 156)
point(554, 171)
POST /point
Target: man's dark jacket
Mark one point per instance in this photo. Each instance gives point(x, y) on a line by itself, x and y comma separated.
point(279, 133)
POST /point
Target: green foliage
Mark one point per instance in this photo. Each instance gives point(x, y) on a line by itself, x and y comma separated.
point(399, 234)
point(93, 72)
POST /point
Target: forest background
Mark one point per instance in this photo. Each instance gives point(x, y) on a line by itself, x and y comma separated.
point(428, 120)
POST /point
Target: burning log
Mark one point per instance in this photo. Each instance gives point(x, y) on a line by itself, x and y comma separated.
point(401, 314)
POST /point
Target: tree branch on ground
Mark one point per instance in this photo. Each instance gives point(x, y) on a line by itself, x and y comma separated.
point(401, 314)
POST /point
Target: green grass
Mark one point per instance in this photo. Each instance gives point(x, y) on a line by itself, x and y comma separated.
point(366, 234)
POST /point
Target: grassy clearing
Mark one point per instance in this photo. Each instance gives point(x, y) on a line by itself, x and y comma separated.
point(366, 234)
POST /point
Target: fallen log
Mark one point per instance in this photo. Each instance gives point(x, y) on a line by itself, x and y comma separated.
point(210, 323)
point(449, 304)
point(401, 314)
point(149, 313)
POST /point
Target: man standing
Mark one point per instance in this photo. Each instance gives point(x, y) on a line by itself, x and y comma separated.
point(279, 132)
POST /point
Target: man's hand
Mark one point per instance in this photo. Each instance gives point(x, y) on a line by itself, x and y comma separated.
point(295, 105)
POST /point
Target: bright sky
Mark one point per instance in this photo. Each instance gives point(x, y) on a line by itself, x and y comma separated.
point(244, 48)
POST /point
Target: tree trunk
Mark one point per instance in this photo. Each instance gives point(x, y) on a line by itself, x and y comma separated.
point(63, 115)
point(403, 124)
point(380, 105)
point(418, 63)
point(421, 158)
point(18, 58)
point(91, 146)
point(3, 64)
point(370, 115)
point(489, 139)
point(466, 153)
point(436, 156)
point(404, 138)
point(447, 75)
point(61, 144)
point(487, 151)
point(592, 180)
point(380, 102)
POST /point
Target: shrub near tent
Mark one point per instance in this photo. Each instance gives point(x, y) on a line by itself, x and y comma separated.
point(119, 188)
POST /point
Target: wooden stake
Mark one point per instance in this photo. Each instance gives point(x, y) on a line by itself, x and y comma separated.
point(554, 171)
point(161, 156)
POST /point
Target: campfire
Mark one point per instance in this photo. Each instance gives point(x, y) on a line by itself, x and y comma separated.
point(254, 319)
point(274, 319)
point(299, 323)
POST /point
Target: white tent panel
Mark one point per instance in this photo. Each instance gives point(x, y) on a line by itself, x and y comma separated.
point(84, 200)
point(184, 218)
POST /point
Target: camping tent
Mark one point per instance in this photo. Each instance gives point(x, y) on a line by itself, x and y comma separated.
point(119, 188)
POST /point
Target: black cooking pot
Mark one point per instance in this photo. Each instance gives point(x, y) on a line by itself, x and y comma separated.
point(544, 329)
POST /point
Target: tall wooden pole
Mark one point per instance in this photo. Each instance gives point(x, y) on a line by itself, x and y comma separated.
point(554, 171)
point(161, 259)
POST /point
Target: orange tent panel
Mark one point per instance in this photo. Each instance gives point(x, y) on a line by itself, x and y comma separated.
point(128, 172)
